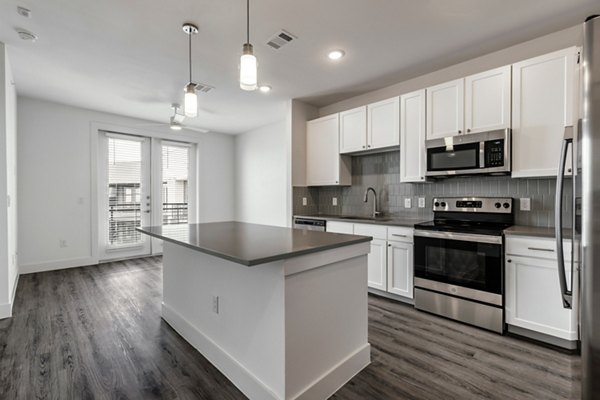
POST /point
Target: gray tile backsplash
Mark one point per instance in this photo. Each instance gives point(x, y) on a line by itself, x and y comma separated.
point(381, 171)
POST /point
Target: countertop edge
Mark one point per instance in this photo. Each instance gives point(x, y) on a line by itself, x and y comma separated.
point(264, 260)
point(407, 222)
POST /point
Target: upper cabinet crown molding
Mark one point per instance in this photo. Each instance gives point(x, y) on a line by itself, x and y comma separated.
point(544, 104)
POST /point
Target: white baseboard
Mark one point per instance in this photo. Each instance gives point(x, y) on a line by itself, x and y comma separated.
point(337, 376)
point(250, 385)
point(6, 309)
point(57, 264)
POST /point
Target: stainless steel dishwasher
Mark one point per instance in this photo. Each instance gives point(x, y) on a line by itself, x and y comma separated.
point(310, 224)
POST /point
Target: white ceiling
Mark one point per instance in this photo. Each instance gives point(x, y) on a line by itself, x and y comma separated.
point(130, 57)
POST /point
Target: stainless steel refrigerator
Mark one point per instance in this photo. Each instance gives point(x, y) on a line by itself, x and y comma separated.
point(582, 291)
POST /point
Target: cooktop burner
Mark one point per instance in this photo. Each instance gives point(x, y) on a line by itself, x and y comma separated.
point(475, 215)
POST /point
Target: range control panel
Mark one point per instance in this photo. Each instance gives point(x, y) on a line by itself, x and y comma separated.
point(499, 205)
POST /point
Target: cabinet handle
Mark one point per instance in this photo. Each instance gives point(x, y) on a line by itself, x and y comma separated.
point(389, 245)
point(364, 147)
point(459, 132)
point(368, 146)
point(468, 130)
point(540, 249)
point(509, 261)
point(337, 181)
point(399, 235)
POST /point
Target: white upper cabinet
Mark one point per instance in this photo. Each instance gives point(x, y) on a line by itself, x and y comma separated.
point(487, 100)
point(445, 109)
point(324, 165)
point(383, 124)
point(370, 127)
point(544, 97)
point(413, 163)
point(353, 130)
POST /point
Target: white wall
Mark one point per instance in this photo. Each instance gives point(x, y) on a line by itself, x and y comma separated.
point(555, 41)
point(56, 180)
point(263, 176)
point(8, 186)
point(298, 114)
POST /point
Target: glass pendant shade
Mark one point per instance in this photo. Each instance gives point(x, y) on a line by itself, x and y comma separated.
point(190, 104)
point(248, 69)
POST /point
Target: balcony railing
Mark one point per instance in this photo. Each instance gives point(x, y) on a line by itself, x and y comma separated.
point(123, 218)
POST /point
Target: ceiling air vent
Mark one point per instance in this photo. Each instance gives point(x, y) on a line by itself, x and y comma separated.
point(203, 87)
point(280, 39)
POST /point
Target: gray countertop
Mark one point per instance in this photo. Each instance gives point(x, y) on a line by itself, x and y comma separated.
point(406, 222)
point(250, 244)
point(535, 231)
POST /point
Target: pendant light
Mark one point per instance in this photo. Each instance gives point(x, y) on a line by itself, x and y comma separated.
point(248, 64)
point(190, 101)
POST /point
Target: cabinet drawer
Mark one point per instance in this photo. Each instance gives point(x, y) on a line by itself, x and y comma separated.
point(340, 227)
point(377, 231)
point(536, 247)
point(400, 234)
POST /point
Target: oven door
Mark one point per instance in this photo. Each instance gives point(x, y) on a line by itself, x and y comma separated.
point(465, 265)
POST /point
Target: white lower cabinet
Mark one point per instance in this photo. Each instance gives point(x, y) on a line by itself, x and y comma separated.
point(390, 262)
point(533, 297)
point(400, 268)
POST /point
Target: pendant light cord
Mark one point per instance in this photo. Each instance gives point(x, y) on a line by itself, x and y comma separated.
point(247, 21)
point(190, 53)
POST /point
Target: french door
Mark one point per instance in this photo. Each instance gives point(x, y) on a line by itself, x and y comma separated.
point(142, 181)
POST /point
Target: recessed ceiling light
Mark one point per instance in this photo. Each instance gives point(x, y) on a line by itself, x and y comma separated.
point(336, 54)
point(26, 35)
point(265, 88)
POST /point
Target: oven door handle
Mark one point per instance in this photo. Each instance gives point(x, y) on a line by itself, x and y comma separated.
point(464, 237)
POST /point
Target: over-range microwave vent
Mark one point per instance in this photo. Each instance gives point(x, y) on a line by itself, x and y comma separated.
point(281, 39)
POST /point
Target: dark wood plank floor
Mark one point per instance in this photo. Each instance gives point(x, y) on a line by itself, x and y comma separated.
point(96, 333)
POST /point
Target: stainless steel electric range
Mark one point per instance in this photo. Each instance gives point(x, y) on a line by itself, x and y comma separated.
point(459, 260)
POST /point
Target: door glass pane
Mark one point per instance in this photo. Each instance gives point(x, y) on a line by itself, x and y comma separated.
point(175, 184)
point(124, 191)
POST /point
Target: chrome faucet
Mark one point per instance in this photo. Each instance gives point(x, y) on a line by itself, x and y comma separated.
point(375, 212)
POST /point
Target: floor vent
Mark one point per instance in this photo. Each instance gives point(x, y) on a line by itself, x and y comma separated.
point(280, 39)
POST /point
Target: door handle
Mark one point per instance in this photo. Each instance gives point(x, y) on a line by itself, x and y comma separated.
point(147, 211)
point(560, 179)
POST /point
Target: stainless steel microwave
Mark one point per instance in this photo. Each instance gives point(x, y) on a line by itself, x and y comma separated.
point(475, 153)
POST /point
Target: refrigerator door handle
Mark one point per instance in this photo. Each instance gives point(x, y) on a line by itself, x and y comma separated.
point(560, 179)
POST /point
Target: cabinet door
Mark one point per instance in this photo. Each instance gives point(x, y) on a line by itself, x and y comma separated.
point(487, 100)
point(353, 130)
point(445, 109)
point(533, 299)
point(377, 263)
point(400, 268)
point(383, 124)
point(544, 98)
point(413, 162)
point(339, 227)
point(322, 152)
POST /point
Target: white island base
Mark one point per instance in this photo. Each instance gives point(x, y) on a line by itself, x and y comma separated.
point(288, 329)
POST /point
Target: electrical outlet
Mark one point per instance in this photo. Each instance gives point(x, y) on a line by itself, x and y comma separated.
point(304, 201)
point(421, 202)
point(334, 201)
point(62, 243)
point(215, 304)
point(525, 204)
point(407, 202)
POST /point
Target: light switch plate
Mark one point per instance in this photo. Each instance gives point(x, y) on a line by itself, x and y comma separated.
point(304, 202)
point(525, 204)
point(334, 201)
point(421, 202)
point(407, 203)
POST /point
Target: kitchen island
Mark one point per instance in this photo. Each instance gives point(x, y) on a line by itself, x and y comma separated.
point(281, 312)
